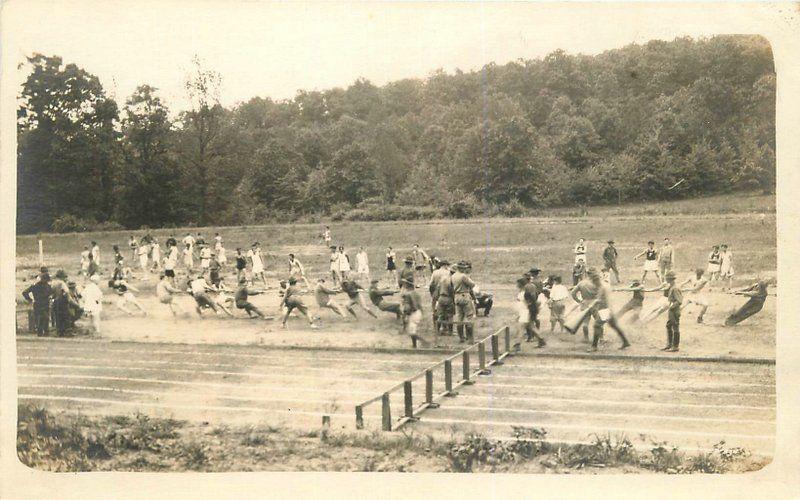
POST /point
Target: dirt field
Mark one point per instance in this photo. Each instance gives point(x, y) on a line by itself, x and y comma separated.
point(252, 372)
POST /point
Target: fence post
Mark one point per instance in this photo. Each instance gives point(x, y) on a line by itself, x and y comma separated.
point(359, 417)
point(465, 368)
point(408, 399)
point(507, 338)
point(482, 359)
point(496, 350)
point(429, 389)
point(386, 412)
point(448, 378)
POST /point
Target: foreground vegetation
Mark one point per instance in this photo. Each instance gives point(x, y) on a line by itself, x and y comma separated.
point(564, 130)
point(139, 443)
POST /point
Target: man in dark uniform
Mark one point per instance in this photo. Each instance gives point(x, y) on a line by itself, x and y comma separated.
point(39, 294)
point(75, 310)
point(675, 297)
point(241, 302)
point(445, 303)
point(532, 291)
point(465, 307)
point(438, 277)
point(61, 303)
point(758, 296)
point(376, 296)
point(610, 259)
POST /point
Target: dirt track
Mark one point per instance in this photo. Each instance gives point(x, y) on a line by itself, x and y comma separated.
point(689, 404)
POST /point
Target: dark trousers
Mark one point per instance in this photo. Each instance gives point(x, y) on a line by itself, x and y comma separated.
point(612, 267)
point(751, 307)
point(674, 327)
point(41, 317)
point(629, 306)
point(61, 315)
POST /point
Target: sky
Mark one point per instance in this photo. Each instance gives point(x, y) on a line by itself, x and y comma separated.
point(273, 49)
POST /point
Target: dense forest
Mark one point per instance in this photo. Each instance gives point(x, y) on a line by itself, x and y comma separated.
point(624, 125)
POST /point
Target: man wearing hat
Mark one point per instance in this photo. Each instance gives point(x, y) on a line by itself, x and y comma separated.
point(241, 302)
point(39, 295)
point(636, 301)
point(465, 307)
point(445, 302)
point(75, 309)
point(406, 274)
point(61, 302)
point(610, 259)
point(532, 291)
point(674, 295)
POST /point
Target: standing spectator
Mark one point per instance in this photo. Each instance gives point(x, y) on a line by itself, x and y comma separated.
point(93, 301)
point(666, 258)
point(362, 263)
point(580, 251)
point(650, 261)
point(39, 295)
point(96, 253)
point(726, 266)
point(675, 297)
point(610, 255)
point(391, 264)
point(714, 262)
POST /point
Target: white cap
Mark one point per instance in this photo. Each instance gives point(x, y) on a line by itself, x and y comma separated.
point(95, 278)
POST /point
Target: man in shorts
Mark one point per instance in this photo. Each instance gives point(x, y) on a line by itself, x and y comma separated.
point(296, 270)
point(323, 294)
point(696, 292)
point(412, 313)
point(165, 291)
point(593, 289)
point(199, 288)
point(291, 301)
point(376, 296)
point(557, 302)
point(420, 258)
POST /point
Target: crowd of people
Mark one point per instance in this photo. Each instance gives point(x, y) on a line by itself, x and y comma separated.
point(455, 298)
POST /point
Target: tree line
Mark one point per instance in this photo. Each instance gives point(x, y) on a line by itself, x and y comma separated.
point(623, 125)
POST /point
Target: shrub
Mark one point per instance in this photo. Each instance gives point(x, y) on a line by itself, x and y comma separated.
point(69, 223)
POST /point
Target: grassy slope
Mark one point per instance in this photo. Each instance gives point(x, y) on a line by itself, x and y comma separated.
point(499, 248)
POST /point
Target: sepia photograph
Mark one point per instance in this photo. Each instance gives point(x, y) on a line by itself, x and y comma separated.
point(434, 237)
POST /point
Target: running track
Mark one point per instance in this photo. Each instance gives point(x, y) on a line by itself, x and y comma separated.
point(689, 404)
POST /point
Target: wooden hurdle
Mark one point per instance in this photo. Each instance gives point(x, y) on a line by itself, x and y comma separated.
point(468, 377)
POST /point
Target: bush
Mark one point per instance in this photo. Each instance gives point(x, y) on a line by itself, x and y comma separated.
point(69, 223)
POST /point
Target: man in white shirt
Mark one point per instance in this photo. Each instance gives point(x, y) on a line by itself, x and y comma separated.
point(189, 240)
point(254, 255)
point(198, 288)
point(557, 303)
point(93, 301)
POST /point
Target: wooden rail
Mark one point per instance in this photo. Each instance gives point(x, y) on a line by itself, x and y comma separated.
point(469, 375)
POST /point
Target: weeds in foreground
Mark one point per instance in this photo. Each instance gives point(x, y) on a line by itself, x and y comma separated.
point(58, 443)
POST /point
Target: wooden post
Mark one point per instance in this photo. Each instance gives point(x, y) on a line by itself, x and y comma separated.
point(496, 349)
point(359, 417)
point(41, 253)
point(408, 400)
point(429, 389)
point(386, 412)
point(428, 386)
point(482, 359)
point(448, 378)
point(326, 426)
point(465, 368)
point(507, 338)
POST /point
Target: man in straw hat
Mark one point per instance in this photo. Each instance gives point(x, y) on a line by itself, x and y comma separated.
point(610, 255)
